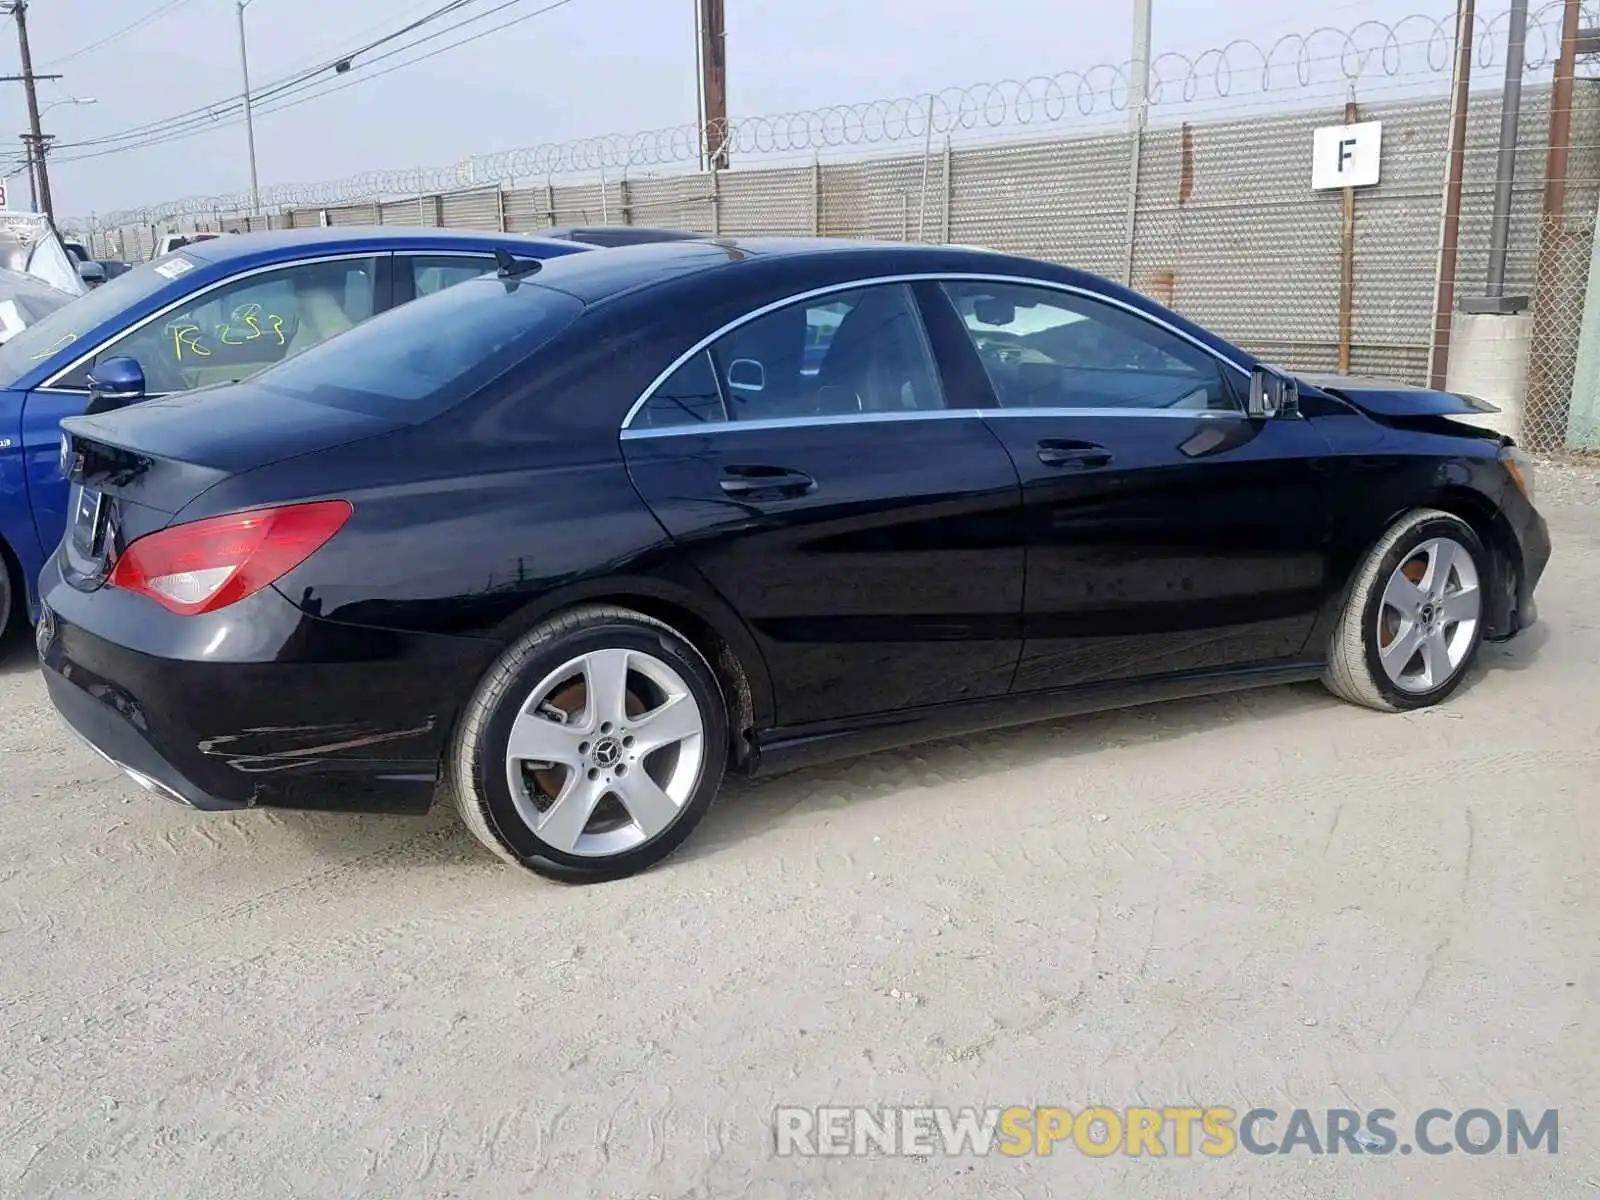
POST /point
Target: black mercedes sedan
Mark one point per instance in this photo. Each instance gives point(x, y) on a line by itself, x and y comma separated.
point(570, 542)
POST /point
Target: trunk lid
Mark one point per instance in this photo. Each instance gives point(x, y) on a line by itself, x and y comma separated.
point(133, 469)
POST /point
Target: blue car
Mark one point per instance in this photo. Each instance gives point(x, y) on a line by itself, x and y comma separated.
point(212, 312)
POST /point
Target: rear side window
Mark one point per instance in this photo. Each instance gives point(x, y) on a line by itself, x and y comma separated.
point(847, 353)
point(420, 359)
point(690, 396)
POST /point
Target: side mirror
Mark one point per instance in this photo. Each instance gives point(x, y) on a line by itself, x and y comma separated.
point(1273, 394)
point(92, 273)
point(747, 375)
point(115, 383)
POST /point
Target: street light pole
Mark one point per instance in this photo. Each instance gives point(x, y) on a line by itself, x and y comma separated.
point(249, 118)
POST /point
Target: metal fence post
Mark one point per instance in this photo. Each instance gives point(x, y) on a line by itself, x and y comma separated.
point(816, 196)
point(1137, 138)
point(1347, 258)
point(1583, 412)
point(944, 231)
point(927, 155)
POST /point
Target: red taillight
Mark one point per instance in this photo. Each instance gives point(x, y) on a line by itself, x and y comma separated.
point(206, 565)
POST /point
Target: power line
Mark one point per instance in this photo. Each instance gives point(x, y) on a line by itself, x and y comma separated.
point(219, 112)
point(155, 14)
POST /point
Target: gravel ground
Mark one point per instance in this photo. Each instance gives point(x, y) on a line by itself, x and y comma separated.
point(1265, 899)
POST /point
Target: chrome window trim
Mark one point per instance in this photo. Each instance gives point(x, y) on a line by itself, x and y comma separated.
point(932, 414)
point(49, 385)
point(1189, 414)
point(919, 277)
point(924, 414)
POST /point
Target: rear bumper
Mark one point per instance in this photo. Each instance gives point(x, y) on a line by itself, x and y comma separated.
point(257, 705)
point(96, 713)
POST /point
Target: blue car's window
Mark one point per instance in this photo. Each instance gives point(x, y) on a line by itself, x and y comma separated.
point(232, 331)
point(432, 273)
point(72, 322)
point(414, 362)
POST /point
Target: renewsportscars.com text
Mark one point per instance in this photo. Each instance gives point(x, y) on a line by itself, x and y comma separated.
point(1177, 1131)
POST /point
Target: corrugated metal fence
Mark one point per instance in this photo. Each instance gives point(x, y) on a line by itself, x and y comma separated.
point(1225, 226)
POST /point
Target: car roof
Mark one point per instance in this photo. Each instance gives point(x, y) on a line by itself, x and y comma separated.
point(593, 278)
point(359, 237)
point(617, 235)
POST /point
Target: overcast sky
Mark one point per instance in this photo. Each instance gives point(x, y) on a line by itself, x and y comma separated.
point(590, 67)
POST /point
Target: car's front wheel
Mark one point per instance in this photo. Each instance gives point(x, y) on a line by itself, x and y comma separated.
point(1413, 621)
point(592, 747)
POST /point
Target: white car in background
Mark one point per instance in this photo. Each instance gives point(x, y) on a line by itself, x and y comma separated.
point(176, 241)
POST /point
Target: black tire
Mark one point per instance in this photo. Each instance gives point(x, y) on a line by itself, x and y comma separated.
point(7, 592)
point(1354, 670)
point(475, 771)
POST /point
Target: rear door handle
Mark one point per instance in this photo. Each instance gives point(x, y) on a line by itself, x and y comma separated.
point(770, 481)
point(1063, 452)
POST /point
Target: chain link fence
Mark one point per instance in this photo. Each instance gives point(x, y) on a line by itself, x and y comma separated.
point(1216, 219)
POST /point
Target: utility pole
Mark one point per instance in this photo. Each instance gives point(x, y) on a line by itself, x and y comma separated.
point(1494, 299)
point(33, 178)
point(714, 84)
point(1444, 299)
point(249, 116)
point(35, 137)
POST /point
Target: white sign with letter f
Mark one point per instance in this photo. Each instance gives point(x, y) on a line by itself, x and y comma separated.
point(1346, 155)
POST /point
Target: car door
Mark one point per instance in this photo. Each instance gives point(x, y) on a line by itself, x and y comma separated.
point(1166, 530)
point(808, 463)
point(225, 331)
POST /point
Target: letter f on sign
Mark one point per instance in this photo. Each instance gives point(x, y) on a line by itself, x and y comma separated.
point(1346, 152)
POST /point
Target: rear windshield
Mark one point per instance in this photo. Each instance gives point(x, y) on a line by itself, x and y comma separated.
point(413, 362)
point(71, 322)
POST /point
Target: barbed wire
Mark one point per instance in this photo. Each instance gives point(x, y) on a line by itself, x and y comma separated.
point(1324, 56)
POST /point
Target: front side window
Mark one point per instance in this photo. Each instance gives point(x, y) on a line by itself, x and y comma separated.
point(843, 354)
point(432, 273)
point(231, 332)
point(1047, 349)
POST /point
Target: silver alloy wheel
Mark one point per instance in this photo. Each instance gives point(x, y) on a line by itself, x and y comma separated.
point(605, 752)
point(1428, 619)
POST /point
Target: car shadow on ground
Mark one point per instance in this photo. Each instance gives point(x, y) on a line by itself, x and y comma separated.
point(16, 650)
point(747, 809)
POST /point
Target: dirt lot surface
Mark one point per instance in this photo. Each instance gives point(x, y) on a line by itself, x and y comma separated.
point(1269, 899)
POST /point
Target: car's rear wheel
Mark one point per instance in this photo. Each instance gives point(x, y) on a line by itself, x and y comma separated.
point(1413, 621)
point(592, 747)
point(6, 594)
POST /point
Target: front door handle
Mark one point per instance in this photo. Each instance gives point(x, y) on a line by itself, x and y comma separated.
point(768, 481)
point(1064, 452)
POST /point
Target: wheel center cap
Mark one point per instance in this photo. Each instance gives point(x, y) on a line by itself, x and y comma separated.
point(607, 752)
point(1426, 613)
